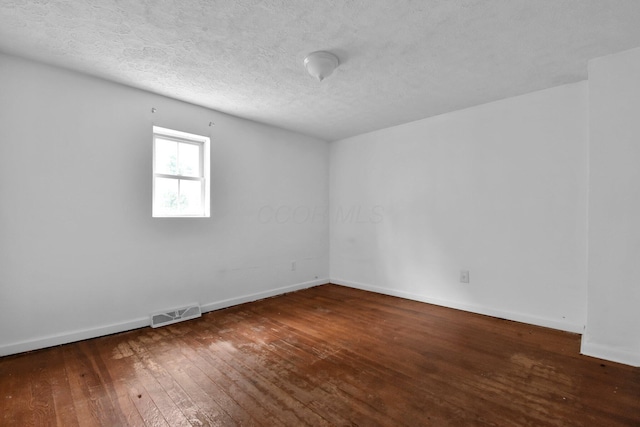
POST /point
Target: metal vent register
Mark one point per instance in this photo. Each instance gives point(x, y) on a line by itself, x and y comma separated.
point(175, 315)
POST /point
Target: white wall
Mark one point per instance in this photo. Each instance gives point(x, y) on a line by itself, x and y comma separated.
point(80, 254)
point(613, 321)
point(499, 190)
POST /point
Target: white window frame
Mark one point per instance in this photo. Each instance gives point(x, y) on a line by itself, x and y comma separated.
point(184, 138)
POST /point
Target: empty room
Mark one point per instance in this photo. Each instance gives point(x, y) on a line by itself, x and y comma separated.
point(319, 213)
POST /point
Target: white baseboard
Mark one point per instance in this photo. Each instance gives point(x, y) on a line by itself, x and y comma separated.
point(67, 337)
point(261, 295)
point(83, 334)
point(488, 311)
point(609, 353)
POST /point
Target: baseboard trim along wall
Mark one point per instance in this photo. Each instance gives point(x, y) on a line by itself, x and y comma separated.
point(262, 295)
point(67, 337)
point(488, 311)
point(609, 353)
point(141, 322)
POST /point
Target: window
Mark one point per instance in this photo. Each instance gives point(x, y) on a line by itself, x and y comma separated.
point(180, 174)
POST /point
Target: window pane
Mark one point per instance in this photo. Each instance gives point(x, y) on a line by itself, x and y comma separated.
point(189, 155)
point(179, 168)
point(166, 197)
point(190, 197)
point(166, 156)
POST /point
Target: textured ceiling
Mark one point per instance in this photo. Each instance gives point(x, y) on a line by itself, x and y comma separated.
point(401, 60)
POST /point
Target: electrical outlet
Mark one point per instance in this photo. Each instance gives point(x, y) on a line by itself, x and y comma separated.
point(464, 276)
point(293, 266)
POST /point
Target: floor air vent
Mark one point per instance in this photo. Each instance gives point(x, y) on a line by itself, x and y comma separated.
point(175, 315)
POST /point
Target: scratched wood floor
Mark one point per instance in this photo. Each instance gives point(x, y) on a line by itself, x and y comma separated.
point(329, 355)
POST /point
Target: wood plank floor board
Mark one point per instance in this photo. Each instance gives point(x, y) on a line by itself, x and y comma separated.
point(259, 354)
point(185, 332)
point(91, 400)
point(528, 394)
point(172, 413)
point(331, 387)
point(356, 376)
point(330, 351)
point(176, 407)
point(43, 405)
point(458, 327)
point(273, 400)
point(404, 352)
point(251, 364)
point(16, 391)
point(543, 345)
point(132, 398)
point(316, 356)
point(162, 385)
point(419, 332)
point(284, 372)
point(54, 367)
point(541, 387)
point(124, 405)
point(392, 354)
point(238, 388)
point(206, 394)
point(325, 356)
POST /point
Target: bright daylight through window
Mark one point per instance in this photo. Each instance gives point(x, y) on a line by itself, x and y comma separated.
point(180, 174)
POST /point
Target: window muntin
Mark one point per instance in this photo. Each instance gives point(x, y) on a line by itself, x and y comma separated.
point(180, 174)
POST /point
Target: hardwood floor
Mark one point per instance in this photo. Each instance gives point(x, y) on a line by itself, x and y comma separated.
point(329, 355)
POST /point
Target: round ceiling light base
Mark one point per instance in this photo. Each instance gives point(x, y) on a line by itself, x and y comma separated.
point(321, 64)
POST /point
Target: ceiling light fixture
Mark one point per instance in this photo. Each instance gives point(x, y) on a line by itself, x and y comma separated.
point(321, 64)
